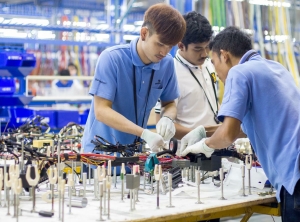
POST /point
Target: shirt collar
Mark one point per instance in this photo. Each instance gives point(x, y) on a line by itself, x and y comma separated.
point(136, 60)
point(245, 56)
point(185, 61)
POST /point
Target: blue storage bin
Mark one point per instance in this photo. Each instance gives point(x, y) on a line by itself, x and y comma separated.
point(20, 115)
point(83, 117)
point(7, 86)
point(28, 60)
point(66, 116)
point(11, 59)
point(50, 117)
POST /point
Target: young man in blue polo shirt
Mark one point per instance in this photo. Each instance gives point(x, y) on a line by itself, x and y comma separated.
point(129, 79)
point(261, 95)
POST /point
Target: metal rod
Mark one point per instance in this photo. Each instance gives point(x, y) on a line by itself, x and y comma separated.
point(52, 195)
point(63, 207)
point(15, 206)
point(84, 184)
point(221, 180)
point(81, 171)
point(170, 190)
point(249, 181)
point(130, 193)
point(59, 198)
point(33, 198)
point(96, 184)
point(108, 201)
point(152, 175)
point(22, 157)
point(122, 186)
point(70, 197)
point(115, 177)
point(90, 174)
point(58, 158)
point(157, 197)
point(101, 196)
point(198, 181)
point(104, 195)
point(5, 172)
point(243, 180)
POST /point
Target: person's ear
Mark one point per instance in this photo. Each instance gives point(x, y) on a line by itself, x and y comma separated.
point(144, 31)
point(181, 46)
point(224, 55)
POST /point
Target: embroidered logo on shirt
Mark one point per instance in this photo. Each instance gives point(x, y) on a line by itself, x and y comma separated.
point(158, 82)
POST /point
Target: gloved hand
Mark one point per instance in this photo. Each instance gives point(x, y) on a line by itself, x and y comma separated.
point(192, 137)
point(166, 128)
point(154, 140)
point(199, 147)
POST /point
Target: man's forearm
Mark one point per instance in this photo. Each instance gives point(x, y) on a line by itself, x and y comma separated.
point(117, 121)
point(169, 110)
point(225, 134)
point(181, 131)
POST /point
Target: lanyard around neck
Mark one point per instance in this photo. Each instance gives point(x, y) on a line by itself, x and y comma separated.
point(135, 98)
point(215, 113)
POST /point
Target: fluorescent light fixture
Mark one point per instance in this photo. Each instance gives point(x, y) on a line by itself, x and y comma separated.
point(138, 4)
point(138, 23)
point(102, 37)
point(128, 27)
point(1, 19)
point(26, 21)
point(271, 3)
point(80, 24)
point(103, 26)
point(277, 38)
point(45, 35)
point(129, 37)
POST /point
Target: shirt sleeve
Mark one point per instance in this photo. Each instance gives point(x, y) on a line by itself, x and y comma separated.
point(104, 83)
point(236, 96)
point(171, 91)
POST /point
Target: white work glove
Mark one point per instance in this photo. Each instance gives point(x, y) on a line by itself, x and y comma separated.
point(154, 140)
point(166, 128)
point(199, 147)
point(192, 137)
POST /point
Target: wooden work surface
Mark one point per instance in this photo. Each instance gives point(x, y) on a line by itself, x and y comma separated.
point(183, 200)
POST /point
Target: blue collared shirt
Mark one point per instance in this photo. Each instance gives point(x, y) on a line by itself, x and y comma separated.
point(264, 97)
point(114, 81)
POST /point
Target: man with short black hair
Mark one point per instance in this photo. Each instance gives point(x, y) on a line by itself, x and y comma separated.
point(261, 95)
point(197, 104)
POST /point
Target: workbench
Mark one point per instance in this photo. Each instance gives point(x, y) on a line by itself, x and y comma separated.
point(183, 199)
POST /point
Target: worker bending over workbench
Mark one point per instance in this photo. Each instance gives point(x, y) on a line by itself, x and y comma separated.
point(261, 95)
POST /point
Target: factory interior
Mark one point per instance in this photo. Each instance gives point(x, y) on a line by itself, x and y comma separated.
point(150, 110)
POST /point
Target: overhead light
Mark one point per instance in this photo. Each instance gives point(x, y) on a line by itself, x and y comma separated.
point(45, 35)
point(138, 23)
point(129, 37)
point(271, 3)
point(27, 21)
point(128, 27)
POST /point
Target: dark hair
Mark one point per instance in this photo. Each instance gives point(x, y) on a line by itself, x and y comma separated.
point(64, 72)
point(72, 64)
point(198, 29)
point(166, 22)
point(233, 40)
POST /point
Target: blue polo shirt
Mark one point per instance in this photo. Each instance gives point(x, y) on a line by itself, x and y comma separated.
point(264, 97)
point(114, 81)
